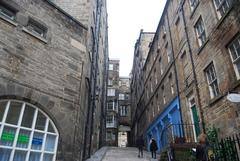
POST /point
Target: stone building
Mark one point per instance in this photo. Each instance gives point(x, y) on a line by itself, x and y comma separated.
point(124, 112)
point(93, 14)
point(52, 72)
point(136, 84)
point(208, 63)
point(43, 68)
point(112, 103)
point(192, 65)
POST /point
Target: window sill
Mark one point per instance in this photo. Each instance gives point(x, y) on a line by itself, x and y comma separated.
point(35, 35)
point(11, 22)
point(215, 99)
point(221, 20)
point(202, 47)
point(193, 11)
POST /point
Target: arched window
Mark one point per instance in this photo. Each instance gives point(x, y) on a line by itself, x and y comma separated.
point(26, 133)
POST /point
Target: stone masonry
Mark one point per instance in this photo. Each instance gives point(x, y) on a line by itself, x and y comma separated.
point(47, 72)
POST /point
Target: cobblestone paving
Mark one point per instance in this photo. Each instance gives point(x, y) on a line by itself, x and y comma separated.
point(125, 154)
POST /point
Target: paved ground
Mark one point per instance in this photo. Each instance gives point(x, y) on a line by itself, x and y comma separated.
point(125, 154)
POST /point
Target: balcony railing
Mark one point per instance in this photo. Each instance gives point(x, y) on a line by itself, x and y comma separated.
point(180, 134)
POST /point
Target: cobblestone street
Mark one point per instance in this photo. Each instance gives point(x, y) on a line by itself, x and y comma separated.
point(126, 154)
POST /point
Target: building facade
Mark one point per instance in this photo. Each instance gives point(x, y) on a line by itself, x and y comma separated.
point(192, 65)
point(112, 103)
point(124, 112)
point(93, 14)
point(52, 82)
point(43, 86)
point(136, 84)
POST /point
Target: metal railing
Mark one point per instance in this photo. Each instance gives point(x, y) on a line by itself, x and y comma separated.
point(179, 134)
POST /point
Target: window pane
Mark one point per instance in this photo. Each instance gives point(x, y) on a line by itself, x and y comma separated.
point(14, 112)
point(50, 143)
point(28, 116)
point(48, 157)
point(8, 136)
point(34, 156)
point(41, 121)
point(19, 156)
point(23, 138)
point(6, 12)
point(5, 154)
point(238, 66)
point(2, 109)
point(50, 128)
point(37, 141)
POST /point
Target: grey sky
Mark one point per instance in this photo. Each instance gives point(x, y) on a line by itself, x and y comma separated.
point(125, 20)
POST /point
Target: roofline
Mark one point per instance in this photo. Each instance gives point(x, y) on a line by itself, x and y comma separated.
point(157, 31)
point(66, 14)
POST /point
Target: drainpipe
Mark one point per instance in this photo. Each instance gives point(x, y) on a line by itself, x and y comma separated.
point(97, 31)
point(175, 69)
point(104, 95)
point(193, 66)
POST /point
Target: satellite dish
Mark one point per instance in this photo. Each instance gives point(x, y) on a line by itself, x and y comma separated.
point(233, 97)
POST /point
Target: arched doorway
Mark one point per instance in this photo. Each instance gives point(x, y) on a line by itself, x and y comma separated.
point(26, 133)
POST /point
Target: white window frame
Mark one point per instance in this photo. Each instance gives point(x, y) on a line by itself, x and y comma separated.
point(121, 96)
point(200, 32)
point(113, 106)
point(234, 50)
point(123, 111)
point(168, 53)
point(222, 7)
point(172, 88)
point(110, 82)
point(32, 131)
point(110, 67)
point(193, 4)
point(161, 65)
point(111, 92)
point(212, 81)
point(7, 13)
point(111, 121)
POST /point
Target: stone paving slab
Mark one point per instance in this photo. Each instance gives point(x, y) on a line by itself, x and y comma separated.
point(126, 154)
point(99, 155)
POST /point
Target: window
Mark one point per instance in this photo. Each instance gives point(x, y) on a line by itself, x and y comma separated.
point(110, 67)
point(163, 93)
point(26, 133)
point(200, 32)
point(110, 82)
point(234, 50)
point(7, 12)
point(37, 28)
point(123, 111)
point(110, 106)
point(172, 88)
point(222, 6)
point(111, 92)
point(168, 53)
point(110, 119)
point(121, 96)
point(212, 81)
point(193, 4)
point(161, 66)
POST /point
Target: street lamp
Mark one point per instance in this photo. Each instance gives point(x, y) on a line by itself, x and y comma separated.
point(233, 97)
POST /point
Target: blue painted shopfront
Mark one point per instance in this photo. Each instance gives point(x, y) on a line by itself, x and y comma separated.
point(171, 115)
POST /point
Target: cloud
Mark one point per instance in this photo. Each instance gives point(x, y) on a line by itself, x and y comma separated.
point(125, 20)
